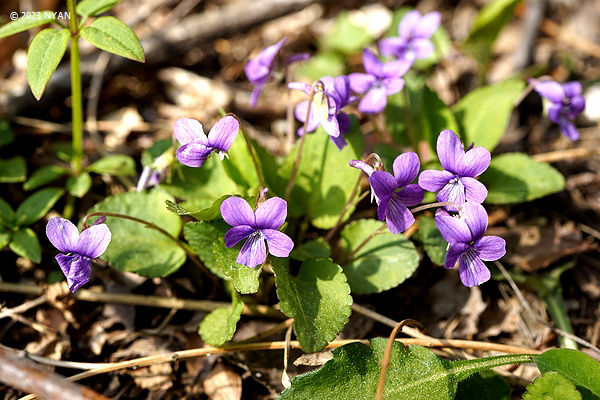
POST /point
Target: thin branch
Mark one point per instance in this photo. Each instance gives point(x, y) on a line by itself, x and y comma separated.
point(280, 345)
point(148, 301)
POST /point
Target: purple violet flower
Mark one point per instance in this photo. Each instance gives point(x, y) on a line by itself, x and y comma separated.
point(261, 70)
point(379, 81)
point(467, 243)
point(567, 103)
point(258, 227)
point(457, 183)
point(76, 264)
point(326, 108)
point(196, 147)
point(412, 42)
point(392, 204)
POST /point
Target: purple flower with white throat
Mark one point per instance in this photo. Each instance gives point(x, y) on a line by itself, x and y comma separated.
point(197, 147)
point(457, 183)
point(468, 246)
point(379, 81)
point(567, 102)
point(326, 107)
point(414, 32)
point(258, 227)
point(79, 249)
point(391, 202)
point(261, 70)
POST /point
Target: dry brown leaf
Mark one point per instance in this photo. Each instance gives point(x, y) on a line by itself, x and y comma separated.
point(223, 384)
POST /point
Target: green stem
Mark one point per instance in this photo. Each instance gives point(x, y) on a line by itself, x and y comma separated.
point(69, 207)
point(410, 128)
point(290, 185)
point(76, 96)
point(556, 309)
point(350, 202)
point(257, 168)
point(360, 246)
point(188, 250)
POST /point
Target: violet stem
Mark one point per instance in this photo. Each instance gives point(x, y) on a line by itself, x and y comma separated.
point(261, 181)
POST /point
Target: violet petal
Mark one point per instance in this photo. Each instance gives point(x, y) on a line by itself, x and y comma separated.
point(434, 180)
point(474, 215)
point(474, 162)
point(193, 154)
point(383, 183)
point(271, 214)
point(374, 100)
point(411, 195)
point(450, 150)
point(237, 234)
point(253, 252)
point(551, 90)
point(490, 248)
point(280, 245)
point(472, 270)
point(76, 268)
point(406, 167)
point(454, 251)
point(397, 216)
point(223, 133)
point(236, 211)
point(63, 234)
point(189, 130)
point(474, 190)
point(453, 229)
point(94, 240)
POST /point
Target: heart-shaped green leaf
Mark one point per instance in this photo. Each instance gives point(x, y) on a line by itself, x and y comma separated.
point(45, 52)
point(245, 279)
point(218, 327)
point(552, 386)
point(384, 262)
point(135, 247)
point(318, 299)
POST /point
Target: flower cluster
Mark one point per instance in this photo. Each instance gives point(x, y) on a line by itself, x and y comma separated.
point(414, 32)
point(79, 249)
point(567, 102)
point(456, 184)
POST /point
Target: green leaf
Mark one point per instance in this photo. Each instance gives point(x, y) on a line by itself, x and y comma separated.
point(395, 113)
point(432, 240)
point(245, 279)
point(23, 24)
point(135, 247)
point(239, 164)
point(551, 386)
point(79, 185)
point(7, 215)
point(116, 164)
point(345, 37)
point(324, 181)
point(91, 8)
point(486, 385)
point(384, 262)
point(45, 52)
point(414, 373)
point(313, 248)
point(155, 151)
point(6, 134)
point(516, 177)
point(37, 205)
point(218, 327)
point(13, 170)
point(64, 151)
point(436, 116)
point(112, 35)
point(206, 214)
point(5, 238)
point(25, 243)
point(44, 175)
point(484, 113)
point(578, 367)
point(201, 236)
point(322, 64)
point(207, 183)
point(488, 24)
point(318, 299)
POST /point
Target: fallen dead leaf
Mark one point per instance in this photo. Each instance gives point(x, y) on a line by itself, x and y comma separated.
point(223, 383)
